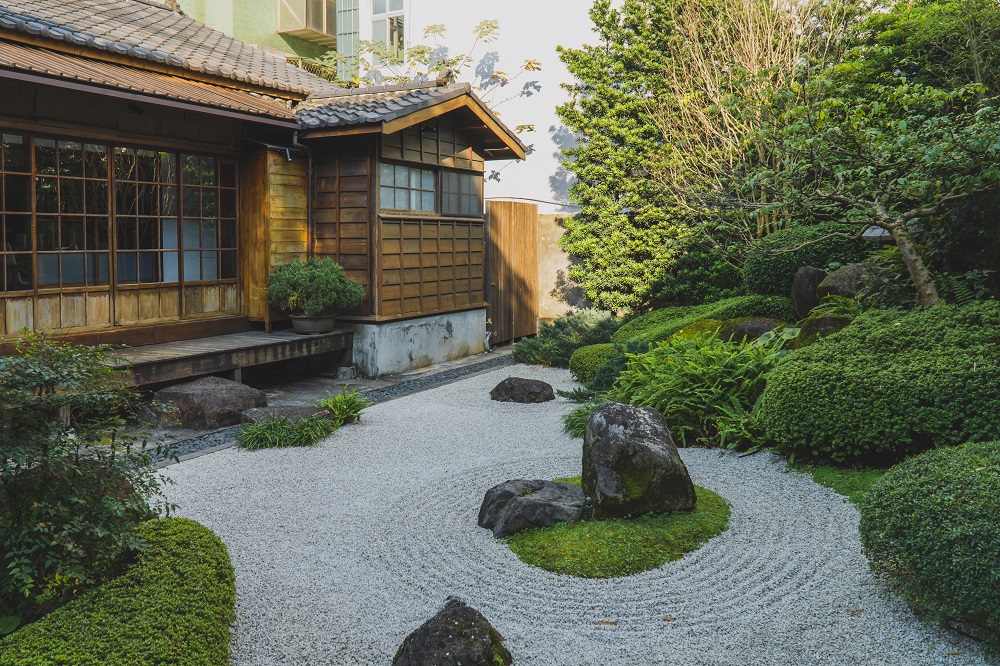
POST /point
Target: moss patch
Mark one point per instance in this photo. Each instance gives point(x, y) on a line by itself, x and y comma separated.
point(852, 483)
point(621, 547)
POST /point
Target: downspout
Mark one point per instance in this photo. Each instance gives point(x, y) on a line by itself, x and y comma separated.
point(311, 234)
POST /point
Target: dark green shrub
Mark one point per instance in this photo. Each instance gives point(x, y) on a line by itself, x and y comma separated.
point(663, 323)
point(889, 385)
point(932, 524)
point(313, 287)
point(556, 342)
point(770, 266)
point(698, 276)
point(173, 606)
point(75, 480)
point(697, 385)
point(274, 432)
point(344, 407)
point(607, 374)
point(586, 361)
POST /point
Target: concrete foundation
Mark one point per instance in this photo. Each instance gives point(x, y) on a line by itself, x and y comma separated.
point(394, 347)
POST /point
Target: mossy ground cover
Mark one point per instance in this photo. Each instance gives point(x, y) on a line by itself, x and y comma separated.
point(621, 547)
point(851, 482)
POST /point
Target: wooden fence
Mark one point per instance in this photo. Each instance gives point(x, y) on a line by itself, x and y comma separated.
point(512, 269)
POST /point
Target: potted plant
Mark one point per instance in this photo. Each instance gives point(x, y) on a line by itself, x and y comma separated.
point(313, 293)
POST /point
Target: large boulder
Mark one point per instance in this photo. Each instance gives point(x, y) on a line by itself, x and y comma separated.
point(804, 297)
point(630, 464)
point(814, 328)
point(211, 402)
point(516, 389)
point(519, 505)
point(456, 636)
point(747, 329)
point(844, 281)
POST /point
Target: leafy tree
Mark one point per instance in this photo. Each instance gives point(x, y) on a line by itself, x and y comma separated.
point(627, 232)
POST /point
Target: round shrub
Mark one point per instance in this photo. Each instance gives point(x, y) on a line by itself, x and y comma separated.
point(313, 287)
point(932, 524)
point(607, 374)
point(663, 323)
point(889, 385)
point(556, 342)
point(586, 361)
point(770, 268)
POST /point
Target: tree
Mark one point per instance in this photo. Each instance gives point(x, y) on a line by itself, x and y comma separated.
point(626, 233)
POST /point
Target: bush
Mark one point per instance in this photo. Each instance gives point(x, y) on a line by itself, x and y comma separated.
point(770, 268)
point(75, 480)
point(313, 287)
point(700, 386)
point(173, 606)
point(661, 324)
point(556, 342)
point(586, 361)
point(889, 385)
point(932, 524)
point(344, 407)
point(273, 432)
point(698, 276)
point(607, 374)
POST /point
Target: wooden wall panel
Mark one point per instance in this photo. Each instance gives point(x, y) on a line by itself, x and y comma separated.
point(288, 224)
point(440, 141)
point(513, 269)
point(253, 243)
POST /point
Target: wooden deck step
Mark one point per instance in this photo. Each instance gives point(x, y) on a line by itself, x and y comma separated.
point(171, 361)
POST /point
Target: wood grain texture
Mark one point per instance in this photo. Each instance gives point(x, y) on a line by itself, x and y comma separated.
point(513, 269)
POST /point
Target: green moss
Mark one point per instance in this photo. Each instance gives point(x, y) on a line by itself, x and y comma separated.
point(851, 482)
point(697, 329)
point(622, 547)
point(663, 323)
point(173, 606)
point(586, 361)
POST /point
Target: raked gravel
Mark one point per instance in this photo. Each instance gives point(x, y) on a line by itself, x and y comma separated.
point(343, 549)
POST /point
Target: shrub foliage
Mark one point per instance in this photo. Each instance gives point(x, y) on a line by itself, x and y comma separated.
point(663, 323)
point(274, 432)
point(889, 385)
point(771, 263)
point(313, 287)
point(932, 524)
point(344, 407)
point(173, 606)
point(586, 361)
point(556, 342)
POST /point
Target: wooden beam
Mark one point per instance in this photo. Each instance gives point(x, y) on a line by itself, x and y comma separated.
point(351, 130)
point(425, 114)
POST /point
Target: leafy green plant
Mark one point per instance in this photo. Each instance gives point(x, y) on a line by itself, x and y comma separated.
point(575, 420)
point(273, 432)
point(889, 385)
point(771, 263)
point(663, 323)
point(586, 361)
point(932, 525)
point(608, 373)
point(556, 342)
point(624, 546)
point(692, 383)
point(76, 479)
point(579, 394)
point(344, 407)
point(698, 276)
point(313, 287)
point(174, 605)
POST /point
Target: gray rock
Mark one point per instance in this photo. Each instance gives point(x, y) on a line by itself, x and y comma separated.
point(457, 636)
point(519, 505)
point(211, 402)
point(290, 412)
point(631, 465)
point(516, 389)
point(804, 297)
point(818, 327)
point(844, 281)
point(747, 329)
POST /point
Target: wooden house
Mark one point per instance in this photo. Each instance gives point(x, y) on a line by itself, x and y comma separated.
point(154, 171)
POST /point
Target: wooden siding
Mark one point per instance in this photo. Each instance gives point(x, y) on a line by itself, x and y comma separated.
point(440, 141)
point(287, 204)
point(253, 247)
point(513, 269)
point(428, 266)
point(343, 210)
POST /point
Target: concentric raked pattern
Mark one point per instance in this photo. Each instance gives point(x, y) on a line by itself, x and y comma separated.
point(342, 550)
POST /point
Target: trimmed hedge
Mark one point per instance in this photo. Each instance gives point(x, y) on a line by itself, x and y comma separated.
point(586, 361)
point(932, 524)
point(556, 342)
point(661, 324)
point(770, 269)
point(173, 606)
point(889, 385)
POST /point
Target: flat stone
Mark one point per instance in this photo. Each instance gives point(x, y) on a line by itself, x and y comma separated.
point(457, 636)
point(516, 389)
point(210, 402)
point(519, 505)
point(291, 412)
point(631, 466)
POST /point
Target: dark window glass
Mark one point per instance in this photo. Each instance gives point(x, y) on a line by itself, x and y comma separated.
point(192, 202)
point(149, 234)
point(146, 161)
point(126, 199)
point(71, 196)
point(71, 234)
point(97, 197)
point(124, 164)
point(95, 160)
point(74, 268)
point(17, 193)
point(47, 195)
point(209, 199)
point(17, 233)
point(97, 233)
point(168, 168)
point(208, 176)
point(19, 272)
point(46, 158)
point(228, 268)
point(125, 235)
point(48, 270)
point(127, 267)
point(148, 199)
point(191, 170)
point(48, 234)
point(71, 159)
point(15, 153)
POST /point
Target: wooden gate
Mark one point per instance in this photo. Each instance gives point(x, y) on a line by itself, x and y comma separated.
point(512, 269)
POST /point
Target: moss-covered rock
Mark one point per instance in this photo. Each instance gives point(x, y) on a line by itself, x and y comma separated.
point(698, 329)
point(663, 323)
point(747, 329)
point(815, 328)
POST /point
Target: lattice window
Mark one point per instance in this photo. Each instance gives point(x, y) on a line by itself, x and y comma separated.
point(406, 188)
point(461, 194)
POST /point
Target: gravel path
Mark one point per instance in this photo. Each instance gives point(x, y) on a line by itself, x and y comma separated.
point(342, 550)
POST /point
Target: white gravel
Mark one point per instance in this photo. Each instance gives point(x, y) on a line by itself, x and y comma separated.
point(342, 550)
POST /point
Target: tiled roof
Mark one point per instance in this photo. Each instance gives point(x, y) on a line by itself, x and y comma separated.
point(373, 105)
point(35, 60)
point(152, 32)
